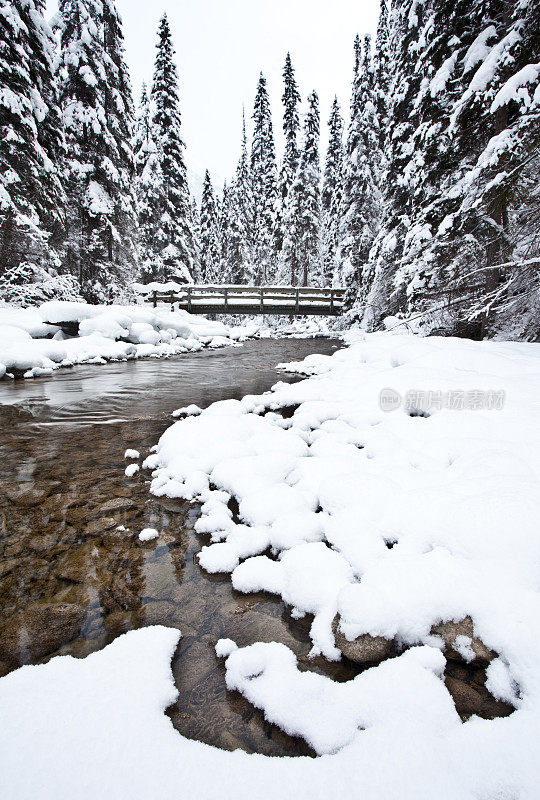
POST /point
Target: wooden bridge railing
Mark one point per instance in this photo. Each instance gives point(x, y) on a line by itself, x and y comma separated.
point(300, 300)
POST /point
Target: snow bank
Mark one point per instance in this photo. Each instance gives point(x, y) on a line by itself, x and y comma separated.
point(400, 490)
point(105, 333)
point(328, 485)
point(26, 319)
point(74, 726)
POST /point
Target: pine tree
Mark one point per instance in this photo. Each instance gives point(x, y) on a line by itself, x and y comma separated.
point(242, 246)
point(289, 166)
point(264, 187)
point(31, 143)
point(381, 57)
point(143, 140)
point(209, 237)
point(331, 196)
point(149, 188)
point(302, 246)
point(170, 251)
point(361, 203)
point(403, 34)
point(98, 116)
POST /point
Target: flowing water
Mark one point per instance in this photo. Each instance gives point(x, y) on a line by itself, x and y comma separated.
point(70, 581)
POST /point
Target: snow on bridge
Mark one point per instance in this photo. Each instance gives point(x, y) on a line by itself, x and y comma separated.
point(210, 299)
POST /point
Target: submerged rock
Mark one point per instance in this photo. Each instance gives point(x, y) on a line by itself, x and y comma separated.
point(39, 630)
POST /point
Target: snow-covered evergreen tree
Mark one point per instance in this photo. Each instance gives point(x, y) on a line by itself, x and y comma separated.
point(97, 109)
point(209, 235)
point(302, 246)
point(264, 187)
point(464, 136)
point(149, 188)
point(31, 143)
point(381, 69)
point(143, 140)
point(289, 165)
point(331, 196)
point(169, 249)
point(242, 209)
point(361, 202)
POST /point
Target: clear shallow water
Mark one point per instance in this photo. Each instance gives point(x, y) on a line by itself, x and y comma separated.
point(153, 388)
point(70, 582)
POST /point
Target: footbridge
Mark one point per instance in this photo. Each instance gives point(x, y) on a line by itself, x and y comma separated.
point(206, 299)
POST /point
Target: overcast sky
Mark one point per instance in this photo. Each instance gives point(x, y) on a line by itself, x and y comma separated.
point(222, 45)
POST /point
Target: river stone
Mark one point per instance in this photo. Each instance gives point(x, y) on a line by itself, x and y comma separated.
point(469, 699)
point(450, 630)
point(119, 595)
point(7, 566)
point(100, 525)
point(116, 504)
point(365, 649)
point(39, 630)
point(42, 543)
point(78, 564)
point(25, 494)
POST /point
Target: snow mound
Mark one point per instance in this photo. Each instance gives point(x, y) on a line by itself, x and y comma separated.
point(132, 454)
point(105, 333)
point(148, 534)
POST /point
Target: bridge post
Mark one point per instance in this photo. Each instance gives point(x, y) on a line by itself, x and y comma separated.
point(226, 294)
point(155, 299)
point(297, 300)
point(331, 301)
point(171, 300)
point(189, 299)
point(262, 300)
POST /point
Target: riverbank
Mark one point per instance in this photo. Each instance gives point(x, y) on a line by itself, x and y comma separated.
point(34, 342)
point(74, 574)
point(391, 502)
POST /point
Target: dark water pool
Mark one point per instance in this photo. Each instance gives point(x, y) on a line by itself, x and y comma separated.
point(70, 582)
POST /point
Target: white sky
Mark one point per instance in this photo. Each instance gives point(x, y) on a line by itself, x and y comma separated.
point(222, 45)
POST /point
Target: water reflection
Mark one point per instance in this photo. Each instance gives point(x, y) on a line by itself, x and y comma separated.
point(71, 579)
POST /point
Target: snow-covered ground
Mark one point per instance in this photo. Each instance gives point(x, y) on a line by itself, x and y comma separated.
point(403, 492)
point(33, 344)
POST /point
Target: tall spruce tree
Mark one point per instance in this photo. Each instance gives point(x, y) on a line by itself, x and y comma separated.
point(242, 218)
point(291, 126)
point(209, 235)
point(301, 249)
point(361, 203)
point(331, 196)
point(149, 188)
point(170, 250)
point(97, 109)
point(143, 140)
point(264, 187)
point(381, 67)
point(31, 144)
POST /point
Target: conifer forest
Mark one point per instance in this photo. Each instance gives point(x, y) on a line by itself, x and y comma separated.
point(269, 399)
point(425, 200)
